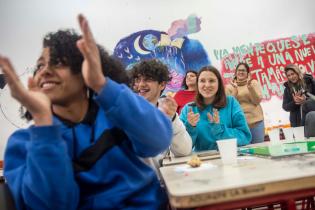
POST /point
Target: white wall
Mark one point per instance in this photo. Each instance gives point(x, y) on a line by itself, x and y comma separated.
point(224, 24)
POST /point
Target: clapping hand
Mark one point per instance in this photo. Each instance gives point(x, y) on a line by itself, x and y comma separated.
point(249, 80)
point(91, 67)
point(233, 83)
point(215, 118)
point(36, 102)
point(168, 105)
point(193, 118)
point(234, 90)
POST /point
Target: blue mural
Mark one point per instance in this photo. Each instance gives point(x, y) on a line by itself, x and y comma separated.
point(174, 49)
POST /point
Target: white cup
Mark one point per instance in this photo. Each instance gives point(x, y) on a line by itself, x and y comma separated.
point(228, 151)
point(288, 134)
point(298, 133)
point(274, 136)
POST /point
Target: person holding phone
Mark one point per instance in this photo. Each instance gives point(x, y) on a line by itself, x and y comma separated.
point(296, 96)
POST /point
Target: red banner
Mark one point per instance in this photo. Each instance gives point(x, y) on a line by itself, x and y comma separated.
point(268, 59)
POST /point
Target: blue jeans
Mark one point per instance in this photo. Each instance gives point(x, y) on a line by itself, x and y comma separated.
point(258, 132)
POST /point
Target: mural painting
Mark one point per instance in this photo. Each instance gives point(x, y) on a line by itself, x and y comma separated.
point(268, 59)
point(174, 48)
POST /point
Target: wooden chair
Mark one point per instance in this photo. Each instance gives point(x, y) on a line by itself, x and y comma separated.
point(6, 199)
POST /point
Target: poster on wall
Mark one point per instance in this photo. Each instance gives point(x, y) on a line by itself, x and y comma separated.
point(180, 53)
point(268, 59)
point(173, 47)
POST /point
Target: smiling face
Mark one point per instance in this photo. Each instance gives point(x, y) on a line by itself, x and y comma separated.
point(191, 79)
point(292, 76)
point(241, 73)
point(208, 85)
point(149, 88)
point(57, 81)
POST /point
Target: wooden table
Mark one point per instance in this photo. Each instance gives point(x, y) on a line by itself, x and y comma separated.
point(251, 181)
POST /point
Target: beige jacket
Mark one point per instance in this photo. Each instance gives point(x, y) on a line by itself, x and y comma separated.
point(249, 97)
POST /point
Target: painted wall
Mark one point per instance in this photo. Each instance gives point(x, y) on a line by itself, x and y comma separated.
point(225, 25)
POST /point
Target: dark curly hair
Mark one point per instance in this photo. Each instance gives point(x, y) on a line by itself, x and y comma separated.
point(220, 97)
point(63, 50)
point(153, 69)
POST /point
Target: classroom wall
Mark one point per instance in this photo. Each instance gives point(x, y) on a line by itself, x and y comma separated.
point(225, 26)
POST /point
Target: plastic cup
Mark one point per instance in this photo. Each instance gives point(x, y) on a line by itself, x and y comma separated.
point(228, 151)
point(274, 136)
point(299, 133)
point(288, 134)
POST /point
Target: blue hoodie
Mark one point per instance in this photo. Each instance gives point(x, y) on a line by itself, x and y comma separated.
point(232, 125)
point(38, 160)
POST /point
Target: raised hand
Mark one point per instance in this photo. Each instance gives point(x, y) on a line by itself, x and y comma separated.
point(37, 103)
point(249, 80)
point(233, 83)
point(215, 118)
point(193, 118)
point(91, 67)
point(233, 90)
point(168, 105)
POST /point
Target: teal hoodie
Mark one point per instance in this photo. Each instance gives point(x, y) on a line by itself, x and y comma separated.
point(232, 125)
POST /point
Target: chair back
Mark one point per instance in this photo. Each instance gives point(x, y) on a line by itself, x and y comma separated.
point(6, 199)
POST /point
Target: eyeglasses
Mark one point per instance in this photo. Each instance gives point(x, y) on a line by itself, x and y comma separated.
point(241, 70)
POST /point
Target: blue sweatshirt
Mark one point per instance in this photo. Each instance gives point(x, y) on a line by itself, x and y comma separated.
point(38, 160)
point(205, 134)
